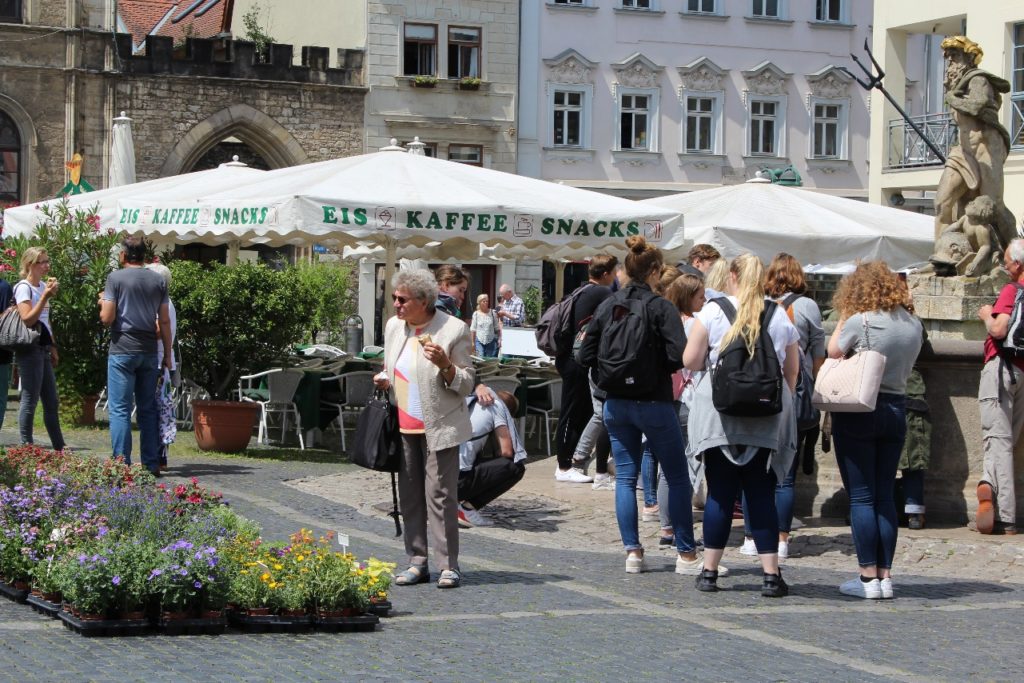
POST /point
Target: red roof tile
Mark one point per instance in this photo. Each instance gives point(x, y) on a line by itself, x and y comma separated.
point(175, 18)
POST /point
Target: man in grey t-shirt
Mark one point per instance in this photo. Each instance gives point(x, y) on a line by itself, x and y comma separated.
point(132, 302)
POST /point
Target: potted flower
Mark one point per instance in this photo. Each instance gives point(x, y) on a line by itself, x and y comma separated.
point(424, 81)
point(88, 582)
point(132, 562)
point(233, 320)
point(469, 83)
point(183, 578)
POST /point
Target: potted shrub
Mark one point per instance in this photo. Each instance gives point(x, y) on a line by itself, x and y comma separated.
point(80, 258)
point(231, 321)
point(424, 81)
point(469, 83)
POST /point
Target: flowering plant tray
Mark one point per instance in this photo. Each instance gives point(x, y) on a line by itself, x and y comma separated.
point(381, 608)
point(43, 606)
point(10, 592)
point(92, 628)
point(193, 626)
point(363, 622)
point(270, 623)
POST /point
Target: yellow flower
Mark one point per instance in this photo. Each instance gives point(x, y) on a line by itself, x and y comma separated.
point(273, 584)
point(243, 571)
point(299, 558)
point(278, 566)
point(265, 577)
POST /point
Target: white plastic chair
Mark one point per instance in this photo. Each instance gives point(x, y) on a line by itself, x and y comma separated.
point(183, 396)
point(281, 386)
point(551, 411)
point(356, 389)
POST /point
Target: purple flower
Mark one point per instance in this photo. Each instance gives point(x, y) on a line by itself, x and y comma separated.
point(198, 584)
point(155, 573)
point(116, 581)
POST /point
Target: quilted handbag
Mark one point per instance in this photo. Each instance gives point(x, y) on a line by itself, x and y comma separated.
point(14, 333)
point(850, 385)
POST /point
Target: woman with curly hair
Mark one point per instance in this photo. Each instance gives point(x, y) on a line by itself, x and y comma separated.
point(875, 313)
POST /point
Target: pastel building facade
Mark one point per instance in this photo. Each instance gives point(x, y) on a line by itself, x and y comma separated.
point(647, 97)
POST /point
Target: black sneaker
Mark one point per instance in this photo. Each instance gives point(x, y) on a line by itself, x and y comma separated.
point(666, 541)
point(774, 586)
point(707, 581)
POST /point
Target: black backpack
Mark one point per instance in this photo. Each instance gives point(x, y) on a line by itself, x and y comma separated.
point(1012, 346)
point(627, 353)
point(744, 385)
point(555, 331)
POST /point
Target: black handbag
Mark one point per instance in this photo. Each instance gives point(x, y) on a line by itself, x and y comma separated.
point(378, 443)
point(15, 335)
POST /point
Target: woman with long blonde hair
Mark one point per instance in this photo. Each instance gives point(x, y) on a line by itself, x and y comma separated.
point(742, 454)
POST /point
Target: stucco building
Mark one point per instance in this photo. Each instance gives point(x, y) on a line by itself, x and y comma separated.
point(647, 97)
point(904, 171)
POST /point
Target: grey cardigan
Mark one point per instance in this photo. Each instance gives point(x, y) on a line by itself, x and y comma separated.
point(444, 407)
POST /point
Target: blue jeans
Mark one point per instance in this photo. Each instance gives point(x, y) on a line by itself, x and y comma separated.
point(488, 350)
point(627, 422)
point(868, 449)
point(913, 488)
point(128, 376)
point(38, 383)
point(649, 478)
point(785, 494)
point(725, 482)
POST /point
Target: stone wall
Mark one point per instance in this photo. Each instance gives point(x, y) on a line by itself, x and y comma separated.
point(951, 370)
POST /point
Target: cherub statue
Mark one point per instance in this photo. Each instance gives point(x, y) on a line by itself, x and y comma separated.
point(982, 239)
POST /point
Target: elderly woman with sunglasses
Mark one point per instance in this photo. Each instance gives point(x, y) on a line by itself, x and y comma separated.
point(427, 365)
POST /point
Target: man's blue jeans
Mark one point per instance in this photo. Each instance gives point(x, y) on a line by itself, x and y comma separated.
point(868, 447)
point(128, 376)
point(627, 422)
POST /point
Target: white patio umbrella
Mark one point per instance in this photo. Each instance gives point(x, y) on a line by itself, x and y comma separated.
point(389, 197)
point(22, 220)
point(122, 153)
point(818, 229)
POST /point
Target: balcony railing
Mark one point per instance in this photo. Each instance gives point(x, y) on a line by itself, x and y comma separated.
point(907, 149)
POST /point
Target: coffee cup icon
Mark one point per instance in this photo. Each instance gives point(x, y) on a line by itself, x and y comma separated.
point(522, 225)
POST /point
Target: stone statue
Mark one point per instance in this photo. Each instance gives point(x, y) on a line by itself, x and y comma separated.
point(975, 166)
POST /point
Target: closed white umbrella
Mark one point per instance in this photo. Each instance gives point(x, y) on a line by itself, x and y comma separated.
point(122, 153)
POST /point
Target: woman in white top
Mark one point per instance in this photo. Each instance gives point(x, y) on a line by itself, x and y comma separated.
point(742, 454)
point(164, 404)
point(36, 363)
point(485, 328)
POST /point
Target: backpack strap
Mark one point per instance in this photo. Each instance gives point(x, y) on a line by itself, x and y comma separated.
point(726, 306)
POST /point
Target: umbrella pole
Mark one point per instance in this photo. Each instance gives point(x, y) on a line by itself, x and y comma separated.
point(559, 280)
point(391, 249)
point(232, 256)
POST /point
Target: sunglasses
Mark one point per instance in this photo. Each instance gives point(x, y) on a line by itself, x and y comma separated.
point(400, 300)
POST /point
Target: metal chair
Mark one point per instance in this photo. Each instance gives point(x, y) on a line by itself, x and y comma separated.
point(281, 386)
point(356, 389)
point(549, 408)
point(183, 396)
point(498, 383)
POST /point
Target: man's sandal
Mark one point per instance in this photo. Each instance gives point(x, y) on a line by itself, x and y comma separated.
point(449, 578)
point(413, 575)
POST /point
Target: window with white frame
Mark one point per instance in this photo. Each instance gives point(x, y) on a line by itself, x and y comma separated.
point(568, 108)
point(1017, 89)
point(473, 155)
point(829, 10)
point(637, 4)
point(464, 52)
point(581, 3)
point(420, 50)
point(765, 126)
point(637, 115)
point(701, 6)
point(702, 124)
point(769, 9)
point(828, 129)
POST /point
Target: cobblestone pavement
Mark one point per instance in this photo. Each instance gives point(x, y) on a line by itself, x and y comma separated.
point(545, 598)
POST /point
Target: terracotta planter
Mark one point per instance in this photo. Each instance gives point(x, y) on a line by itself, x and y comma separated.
point(258, 611)
point(174, 616)
point(292, 612)
point(135, 615)
point(224, 426)
point(212, 614)
point(91, 616)
point(55, 598)
point(88, 415)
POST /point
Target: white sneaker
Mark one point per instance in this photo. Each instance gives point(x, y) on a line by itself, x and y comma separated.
point(572, 475)
point(783, 550)
point(635, 564)
point(696, 566)
point(749, 548)
point(474, 516)
point(887, 590)
point(582, 464)
point(603, 482)
point(872, 590)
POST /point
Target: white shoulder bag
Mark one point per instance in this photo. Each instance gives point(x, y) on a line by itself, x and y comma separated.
point(850, 385)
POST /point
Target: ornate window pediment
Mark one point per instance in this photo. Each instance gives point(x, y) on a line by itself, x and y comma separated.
point(830, 82)
point(637, 71)
point(570, 67)
point(702, 74)
point(766, 79)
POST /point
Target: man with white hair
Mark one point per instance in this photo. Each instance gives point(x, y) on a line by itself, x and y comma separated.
point(511, 309)
point(1001, 401)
